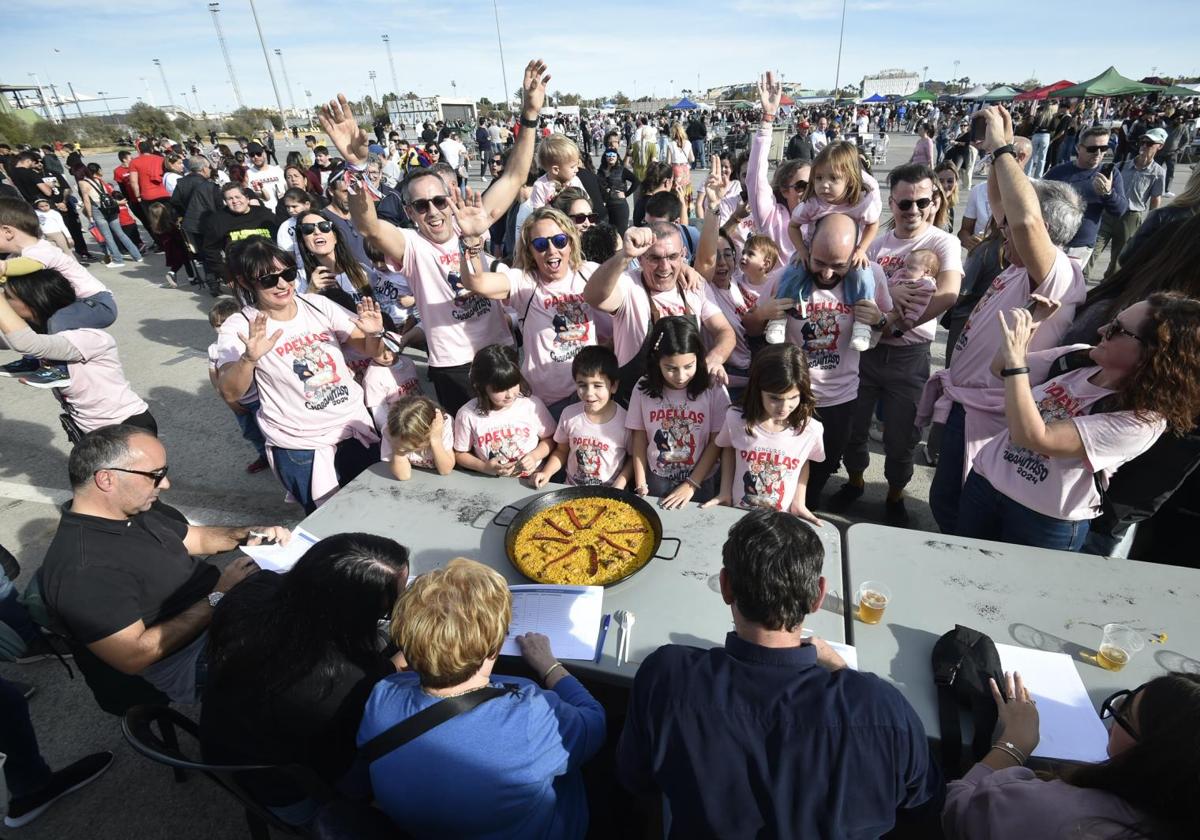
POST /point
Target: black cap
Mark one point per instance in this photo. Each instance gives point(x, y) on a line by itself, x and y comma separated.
point(254, 149)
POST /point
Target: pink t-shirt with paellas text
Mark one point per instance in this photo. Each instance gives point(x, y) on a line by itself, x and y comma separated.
point(631, 320)
point(970, 367)
point(546, 188)
point(387, 384)
point(99, 394)
point(769, 464)
point(457, 323)
point(307, 394)
point(508, 434)
point(556, 323)
point(890, 252)
point(596, 451)
point(824, 336)
point(865, 211)
point(1065, 488)
point(677, 427)
point(82, 281)
point(418, 457)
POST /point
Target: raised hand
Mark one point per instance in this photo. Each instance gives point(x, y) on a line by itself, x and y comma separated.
point(637, 241)
point(1014, 345)
point(370, 318)
point(533, 89)
point(337, 120)
point(770, 93)
point(258, 343)
point(470, 214)
point(716, 186)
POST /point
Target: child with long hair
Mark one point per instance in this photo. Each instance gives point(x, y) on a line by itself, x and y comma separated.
point(767, 442)
point(675, 414)
point(503, 431)
point(837, 185)
point(417, 433)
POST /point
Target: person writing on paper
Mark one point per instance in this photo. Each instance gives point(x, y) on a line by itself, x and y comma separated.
point(1148, 786)
point(284, 688)
point(508, 768)
point(772, 735)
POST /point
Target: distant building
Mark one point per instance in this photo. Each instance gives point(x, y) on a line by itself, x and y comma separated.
point(890, 83)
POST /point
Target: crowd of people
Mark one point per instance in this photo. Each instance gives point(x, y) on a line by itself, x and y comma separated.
point(591, 316)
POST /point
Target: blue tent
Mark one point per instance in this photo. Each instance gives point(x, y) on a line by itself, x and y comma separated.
point(684, 104)
point(875, 97)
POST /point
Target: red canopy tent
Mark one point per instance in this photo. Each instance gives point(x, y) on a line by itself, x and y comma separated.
point(1042, 92)
point(784, 99)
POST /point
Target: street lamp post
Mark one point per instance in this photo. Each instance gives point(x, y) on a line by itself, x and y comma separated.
point(500, 43)
point(374, 86)
point(387, 43)
point(267, 58)
point(924, 75)
point(837, 74)
point(163, 75)
point(215, 9)
point(103, 94)
point(149, 93)
point(287, 84)
point(956, 71)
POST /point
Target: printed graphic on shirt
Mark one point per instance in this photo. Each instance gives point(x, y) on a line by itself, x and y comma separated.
point(507, 443)
point(997, 286)
point(317, 370)
point(588, 461)
point(572, 327)
point(750, 296)
point(239, 235)
point(820, 333)
point(762, 485)
point(1058, 404)
point(467, 305)
point(676, 441)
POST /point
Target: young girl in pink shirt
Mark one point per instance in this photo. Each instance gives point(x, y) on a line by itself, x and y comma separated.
point(675, 413)
point(417, 433)
point(503, 431)
point(767, 442)
point(837, 185)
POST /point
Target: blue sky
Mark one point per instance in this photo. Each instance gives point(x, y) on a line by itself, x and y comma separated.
point(660, 47)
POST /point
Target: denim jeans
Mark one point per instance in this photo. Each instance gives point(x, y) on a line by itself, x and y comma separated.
point(248, 423)
point(986, 513)
point(13, 613)
point(1037, 161)
point(98, 311)
point(25, 770)
point(295, 466)
point(113, 233)
point(797, 283)
point(946, 488)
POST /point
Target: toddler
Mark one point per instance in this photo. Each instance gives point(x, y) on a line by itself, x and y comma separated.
point(559, 157)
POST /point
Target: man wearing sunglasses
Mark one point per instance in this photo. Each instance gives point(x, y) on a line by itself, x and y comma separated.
point(456, 325)
point(1099, 184)
point(121, 575)
point(1145, 182)
point(264, 178)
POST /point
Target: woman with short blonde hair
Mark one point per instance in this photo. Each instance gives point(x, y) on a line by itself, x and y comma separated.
point(510, 765)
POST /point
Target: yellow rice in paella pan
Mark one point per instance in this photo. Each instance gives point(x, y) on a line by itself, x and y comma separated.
point(584, 542)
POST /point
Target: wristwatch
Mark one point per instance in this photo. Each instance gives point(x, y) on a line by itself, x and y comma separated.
point(1008, 149)
point(880, 324)
point(214, 598)
point(528, 123)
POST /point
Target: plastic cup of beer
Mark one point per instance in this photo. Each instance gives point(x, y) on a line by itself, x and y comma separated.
point(1117, 646)
point(873, 598)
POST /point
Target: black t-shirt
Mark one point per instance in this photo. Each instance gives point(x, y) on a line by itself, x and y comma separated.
point(26, 179)
point(102, 575)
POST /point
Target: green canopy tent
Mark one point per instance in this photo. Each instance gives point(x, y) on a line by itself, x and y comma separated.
point(1178, 90)
point(921, 96)
point(1000, 94)
point(1108, 83)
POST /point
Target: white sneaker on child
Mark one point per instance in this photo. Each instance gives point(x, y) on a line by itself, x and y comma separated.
point(776, 331)
point(860, 337)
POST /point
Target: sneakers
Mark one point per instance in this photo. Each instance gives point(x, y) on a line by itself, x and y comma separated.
point(776, 331)
point(258, 465)
point(23, 810)
point(860, 337)
point(20, 367)
point(170, 283)
point(51, 376)
point(895, 514)
point(843, 498)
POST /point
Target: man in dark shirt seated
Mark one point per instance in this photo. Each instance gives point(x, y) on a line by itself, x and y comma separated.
point(772, 735)
point(121, 574)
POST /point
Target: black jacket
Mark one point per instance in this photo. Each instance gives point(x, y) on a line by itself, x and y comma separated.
point(800, 148)
point(224, 227)
point(195, 199)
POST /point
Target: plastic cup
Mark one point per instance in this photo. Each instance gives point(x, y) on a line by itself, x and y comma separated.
point(1117, 646)
point(872, 598)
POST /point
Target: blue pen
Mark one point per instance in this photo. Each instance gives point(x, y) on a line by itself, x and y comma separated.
point(603, 633)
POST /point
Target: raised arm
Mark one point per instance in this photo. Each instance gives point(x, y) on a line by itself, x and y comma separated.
point(758, 189)
point(705, 262)
point(533, 95)
point(601, 290)
point(473, 222)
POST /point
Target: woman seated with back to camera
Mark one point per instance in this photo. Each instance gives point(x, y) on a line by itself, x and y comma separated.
point(509, 767)
point(1146, 788)
point(292, 659)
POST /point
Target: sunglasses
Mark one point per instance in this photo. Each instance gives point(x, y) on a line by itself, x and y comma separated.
point(1095, 149)
point(542, 243)
point(270, 281)
point(391, 343)
point(497, 162)
point(1114, 328)
point(1114, 707)
point(433, 152)
point(308, 228)
point(421, 205)
point(906, 204)
point(156, 476)
point(580, 218)
point(799, 186)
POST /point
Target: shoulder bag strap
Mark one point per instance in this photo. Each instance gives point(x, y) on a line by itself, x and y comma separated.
point(426, 719)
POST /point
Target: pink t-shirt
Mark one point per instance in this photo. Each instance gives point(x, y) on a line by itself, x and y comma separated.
point(734, 305)
point(508, 434)
point(890, 251)
point(824, 335)
point(251, 395)
point(384, 385)
point(457, 324)
point(308, 397)
point(631, 320)
point(546, 188)
point(419, 457)
point(677, 428)
point(596, 452)
point(769, 463)
point(81, 280)
point(99, 394)
point(1065, 488)
point(970, 367)
point(556, 323)
point(866, 211)
point(769, 216)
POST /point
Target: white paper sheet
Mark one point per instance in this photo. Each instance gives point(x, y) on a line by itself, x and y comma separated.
point(1070, 728)
point(848, 652)
point(281, 558)
point(569, 615)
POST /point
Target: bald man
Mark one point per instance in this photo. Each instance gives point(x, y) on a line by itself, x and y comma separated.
point(978, 212)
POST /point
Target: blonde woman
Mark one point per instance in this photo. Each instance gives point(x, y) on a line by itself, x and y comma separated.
point(680, 156)
point(510, 766)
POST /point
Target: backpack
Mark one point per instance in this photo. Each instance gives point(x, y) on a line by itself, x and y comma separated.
point(963, 660)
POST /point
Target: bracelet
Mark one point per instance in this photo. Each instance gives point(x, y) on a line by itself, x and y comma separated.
point(356, 167)
point(550, 670)
point(1011, 754)
point(642, 489)
point(1011, 747)
point(694, 484)
point(525, 123)
point(464, 244)
point(1014, 371)
point(379, 334)
point(246, 358)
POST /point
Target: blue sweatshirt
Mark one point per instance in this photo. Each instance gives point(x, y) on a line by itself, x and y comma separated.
point(1081, 180)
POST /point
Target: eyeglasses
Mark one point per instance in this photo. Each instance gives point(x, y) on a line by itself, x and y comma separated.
point(906, 204)
point(308, 228)
point(497, 161)
point(726, 254)
point(799, 186)
point(421, 205)
point(1115, 706)
point(1095, 149)
point(542, 243)
point(1113, 328)
point(580, 218)
point(156, 476)
point(270, 281)
point(657, 258)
